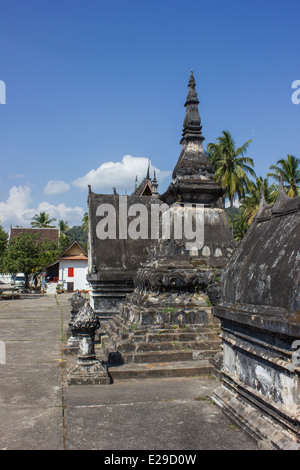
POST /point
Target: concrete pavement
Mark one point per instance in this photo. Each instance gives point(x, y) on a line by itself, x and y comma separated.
point(38, 411)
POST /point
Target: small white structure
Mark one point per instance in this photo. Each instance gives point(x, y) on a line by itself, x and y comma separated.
point(71, 268)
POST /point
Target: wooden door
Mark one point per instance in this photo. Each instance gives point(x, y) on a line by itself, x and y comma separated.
point(70, 286)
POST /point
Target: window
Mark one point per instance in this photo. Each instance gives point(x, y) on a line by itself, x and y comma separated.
point(70, 272)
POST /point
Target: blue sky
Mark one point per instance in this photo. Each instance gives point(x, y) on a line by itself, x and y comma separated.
point(94, 89)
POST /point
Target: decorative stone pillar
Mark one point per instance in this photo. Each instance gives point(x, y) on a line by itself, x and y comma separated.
point(76, 302)
point(88, 370)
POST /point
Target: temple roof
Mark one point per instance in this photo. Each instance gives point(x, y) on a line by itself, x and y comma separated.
point(147, 187)
point(144, 188)
point(51, 234)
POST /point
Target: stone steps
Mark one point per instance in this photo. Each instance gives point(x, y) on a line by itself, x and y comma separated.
point(194, 368)
point(151, 357)
point(132, 347)
point(131, 350)
point(124, 331)
point(161, 336)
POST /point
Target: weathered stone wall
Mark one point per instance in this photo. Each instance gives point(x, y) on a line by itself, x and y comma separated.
point(259, 312)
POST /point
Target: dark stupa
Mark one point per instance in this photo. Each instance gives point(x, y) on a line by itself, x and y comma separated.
point(193, 175)
point(170, 287)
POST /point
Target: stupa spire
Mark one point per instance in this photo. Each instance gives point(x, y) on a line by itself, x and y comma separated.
point(192, 122)
point(193, 175)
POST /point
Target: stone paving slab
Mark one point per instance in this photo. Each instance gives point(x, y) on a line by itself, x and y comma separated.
point(39, 411)
point(31, 385)
point(29, 329)
point(26, 352)
point(161, 414)
point(31, 428)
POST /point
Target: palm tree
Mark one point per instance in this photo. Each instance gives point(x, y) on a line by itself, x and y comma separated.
point(289, 170)
point(231, 167)
point(240, 226)
point(85, 222)
point(63, 227)
point(251, 201)
point(64, 240)
point(42, 220)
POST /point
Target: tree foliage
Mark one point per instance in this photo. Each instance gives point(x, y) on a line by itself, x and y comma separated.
point(85, 222)
point(3, 245)
point(250, 202)
point(64, 239)
point(42, 220)
point(27, 254)
point(289, 171)
point(231, 167)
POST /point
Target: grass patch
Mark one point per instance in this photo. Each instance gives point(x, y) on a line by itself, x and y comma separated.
point(170, 310)
point(207, 399)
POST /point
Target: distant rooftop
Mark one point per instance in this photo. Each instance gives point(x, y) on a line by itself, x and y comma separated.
point(51, 234)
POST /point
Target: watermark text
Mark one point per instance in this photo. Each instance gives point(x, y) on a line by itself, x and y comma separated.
point(2, 92)
point(138, 221)
point(296, 93)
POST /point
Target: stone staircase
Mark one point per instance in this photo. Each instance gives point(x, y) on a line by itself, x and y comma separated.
point(176, 349)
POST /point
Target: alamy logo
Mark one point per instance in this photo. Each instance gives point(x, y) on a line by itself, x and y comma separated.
point(296, 354)
point(2, 353)
point(2, 92)
point(136, 221)
point(296, 94)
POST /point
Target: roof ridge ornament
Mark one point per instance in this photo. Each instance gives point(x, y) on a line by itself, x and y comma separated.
point(264, 209)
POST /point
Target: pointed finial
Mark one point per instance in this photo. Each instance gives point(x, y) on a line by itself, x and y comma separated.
point(136, 181)
point(148, 170)
point(192, 120)
point(192, 82)
point(154, 185)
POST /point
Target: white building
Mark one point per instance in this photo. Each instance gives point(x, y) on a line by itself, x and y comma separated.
point(70, 268)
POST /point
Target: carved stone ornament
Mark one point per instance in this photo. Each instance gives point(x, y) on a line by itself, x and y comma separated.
point(88, 369)
point(86, 322)
point(76, 303)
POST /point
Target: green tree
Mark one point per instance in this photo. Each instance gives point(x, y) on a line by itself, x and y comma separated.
point(3, 245)
point(289, 170)
point(63, 226)
point(231, 167)
point(26, 253)
point(250, 202)
point(42, 220)
point(64, 239)
point(240, 226)
point(85, 222)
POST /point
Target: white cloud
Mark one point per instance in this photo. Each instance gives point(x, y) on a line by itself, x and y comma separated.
point(17, 175)
point(17, 211)
point(56, 187)
point(120, 174)
point(62, 212)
